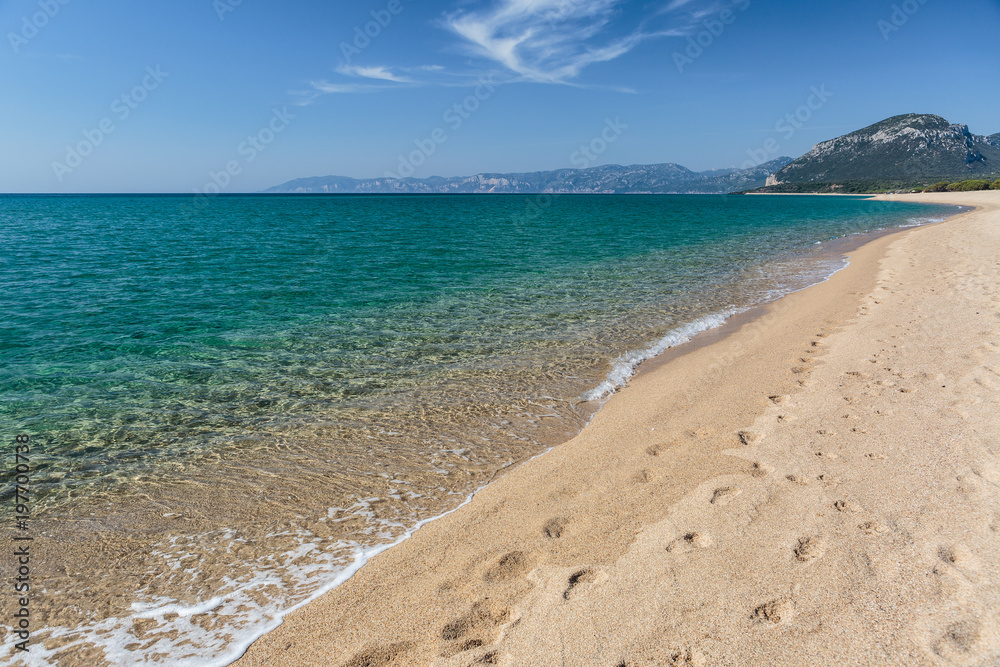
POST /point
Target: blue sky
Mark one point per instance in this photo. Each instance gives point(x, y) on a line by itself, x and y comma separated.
point(126, 96)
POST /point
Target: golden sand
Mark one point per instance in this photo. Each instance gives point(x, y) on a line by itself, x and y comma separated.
point(821, 487)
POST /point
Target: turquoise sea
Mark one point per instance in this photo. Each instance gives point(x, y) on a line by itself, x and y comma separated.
point(233, 404)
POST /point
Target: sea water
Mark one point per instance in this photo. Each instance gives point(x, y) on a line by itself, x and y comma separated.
point(233, 404)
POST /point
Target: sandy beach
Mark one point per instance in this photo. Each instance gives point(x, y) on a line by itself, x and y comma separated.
point(819, 487)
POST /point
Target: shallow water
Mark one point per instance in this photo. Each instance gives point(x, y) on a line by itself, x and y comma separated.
point(232, 406)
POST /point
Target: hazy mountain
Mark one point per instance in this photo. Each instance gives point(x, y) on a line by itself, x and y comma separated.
point(609, 179)
point(912, 147)
point(733, 180)
point(907, 149)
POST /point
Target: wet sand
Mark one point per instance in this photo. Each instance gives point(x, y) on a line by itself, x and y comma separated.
point(821, 486)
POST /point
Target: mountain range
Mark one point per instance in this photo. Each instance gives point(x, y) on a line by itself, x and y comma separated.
point(666, 178)
point(907, 149)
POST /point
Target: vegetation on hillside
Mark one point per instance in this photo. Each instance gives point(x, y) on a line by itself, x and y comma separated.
point(911, 149)
point(964, 186)
point(866, 187)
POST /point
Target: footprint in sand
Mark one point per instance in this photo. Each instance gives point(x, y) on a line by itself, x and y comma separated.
point(686, 658)
point(483, 615)
point(809, 549)
point(690, 541)
point(968, 485)
point(657, 449)
point(960, 556)
point(555, 527)
point(775, 612)
point(491, 658)
point(644, 476)
point(846, 506)
point(758, 469)
point(452, 650)
point(873, 528)
point(723, 495)
point(959, 642)
point(471, 644)
point(376, 656)
point(579, 580)
point(747, 438)
point(510, 566)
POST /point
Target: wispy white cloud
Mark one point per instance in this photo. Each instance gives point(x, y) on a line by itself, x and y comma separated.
point(542, 41)
point(327, 87)
point(377, 72)
point(685, 14)
point(425, 68)
point(379, 79)
point(548, 41)
point(322, 87)
point(676, 4)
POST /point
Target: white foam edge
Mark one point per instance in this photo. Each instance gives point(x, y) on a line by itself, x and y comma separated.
point(362, 556)
point(624, 367)
point(271, 622)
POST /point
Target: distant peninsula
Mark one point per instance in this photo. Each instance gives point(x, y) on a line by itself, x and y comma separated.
point(608, 179)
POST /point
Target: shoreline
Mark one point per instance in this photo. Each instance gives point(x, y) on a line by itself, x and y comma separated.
point(840, 247)
point(506, 582)
point(845, 246)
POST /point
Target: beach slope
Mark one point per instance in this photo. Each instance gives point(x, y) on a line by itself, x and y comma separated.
point(820, 486)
